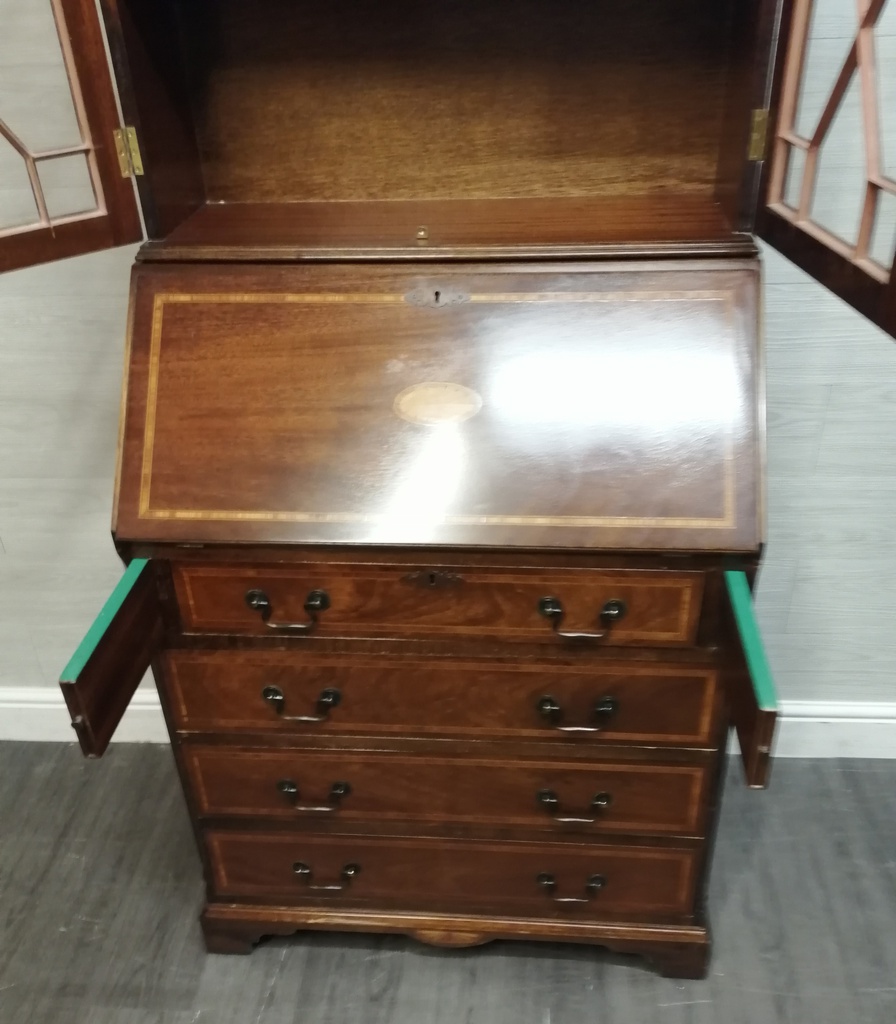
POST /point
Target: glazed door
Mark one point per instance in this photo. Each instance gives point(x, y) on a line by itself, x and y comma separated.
point(65, 166)
point(829, 181)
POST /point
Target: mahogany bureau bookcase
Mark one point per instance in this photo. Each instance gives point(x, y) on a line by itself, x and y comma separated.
point(440, 478)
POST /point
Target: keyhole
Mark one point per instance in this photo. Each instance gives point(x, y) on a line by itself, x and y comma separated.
point(432, 575)
point(438, 296)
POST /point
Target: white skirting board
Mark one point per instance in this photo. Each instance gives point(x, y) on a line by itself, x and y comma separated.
point(805, 729)
point(40, 714)
point(835, 729)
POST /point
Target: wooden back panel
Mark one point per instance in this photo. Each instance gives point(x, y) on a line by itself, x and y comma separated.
point(361, 100)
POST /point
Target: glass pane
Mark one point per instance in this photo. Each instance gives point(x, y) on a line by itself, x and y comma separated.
point(33, 77)
point(832, 30)
point(67, 187)
point(840, 181)
point(883, 238)
point(834, 19)
point(17, 205)
point(794, 181)
point(885, 54)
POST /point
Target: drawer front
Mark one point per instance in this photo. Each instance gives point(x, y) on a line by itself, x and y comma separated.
point(635, 607)
point(314, 786)
point(307, 693)
point(398, 873)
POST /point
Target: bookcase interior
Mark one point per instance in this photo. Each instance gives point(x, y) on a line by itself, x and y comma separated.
point(469, 123)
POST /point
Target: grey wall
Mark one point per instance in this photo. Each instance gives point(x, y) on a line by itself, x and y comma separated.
point(827, 593)
point(62, 329)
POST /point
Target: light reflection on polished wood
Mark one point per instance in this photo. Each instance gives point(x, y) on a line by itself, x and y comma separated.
point(147, 511)
point(573, 369)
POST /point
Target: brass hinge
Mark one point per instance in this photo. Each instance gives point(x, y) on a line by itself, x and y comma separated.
point(758, 133)
point(128, 150)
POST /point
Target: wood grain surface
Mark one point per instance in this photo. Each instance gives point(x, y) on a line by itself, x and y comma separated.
point(117, 654)
point(462, 790)
point(459, 100)
point(469, 603)
point(423, 874)
point(579, 226)
point(356, 125)
point(646, 377)
point(221, 692)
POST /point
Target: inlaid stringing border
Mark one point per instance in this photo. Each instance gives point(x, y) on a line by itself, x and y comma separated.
point(688, 590)
point(147, 511)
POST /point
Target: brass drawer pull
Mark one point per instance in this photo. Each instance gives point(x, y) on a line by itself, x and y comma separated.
point(552, 608)
point(329, 698)
point(337, 791)
point(316, 601)
point(551, 803)
point(593, 886)
point(549, 708)
point(303, 872)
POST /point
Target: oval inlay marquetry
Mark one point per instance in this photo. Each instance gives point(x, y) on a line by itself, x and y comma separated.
point(436, 401)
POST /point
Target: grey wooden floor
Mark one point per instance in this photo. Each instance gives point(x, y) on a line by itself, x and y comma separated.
point(100, 888)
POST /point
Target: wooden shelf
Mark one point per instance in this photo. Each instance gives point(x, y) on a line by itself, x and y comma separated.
point(450, 228)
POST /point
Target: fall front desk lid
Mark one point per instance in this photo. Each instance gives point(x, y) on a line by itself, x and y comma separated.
point(609, 407)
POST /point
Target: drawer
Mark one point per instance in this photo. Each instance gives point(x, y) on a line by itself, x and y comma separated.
point(382, 788)
point(401, 873)
point(633, 607)
point(307, 693)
